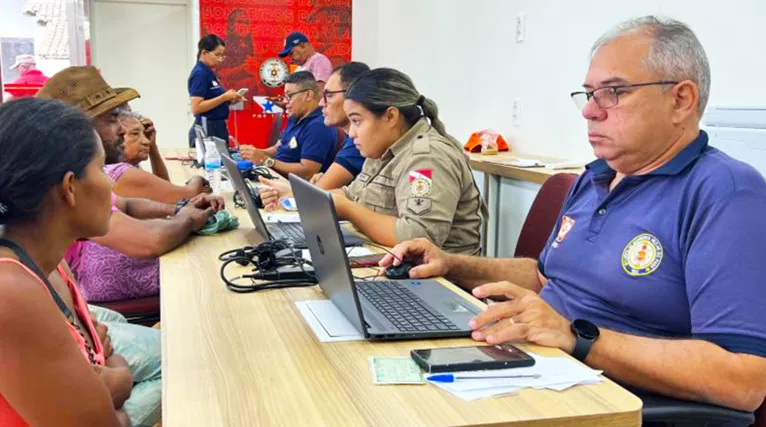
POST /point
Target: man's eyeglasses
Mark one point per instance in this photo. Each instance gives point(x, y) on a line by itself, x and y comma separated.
point(289, 96)
point(609, 96)
point(217, 55)
point(328, 94)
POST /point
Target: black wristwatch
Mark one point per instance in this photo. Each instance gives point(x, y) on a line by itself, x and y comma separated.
point(180, 205)
point(586, 333)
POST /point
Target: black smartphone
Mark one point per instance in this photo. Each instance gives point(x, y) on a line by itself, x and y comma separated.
point(365, 260)
point(475, 358)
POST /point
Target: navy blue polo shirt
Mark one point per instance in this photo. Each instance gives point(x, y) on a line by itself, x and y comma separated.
point(349, 157)
point(204, 83)
point(308, 138)
point(677, 253)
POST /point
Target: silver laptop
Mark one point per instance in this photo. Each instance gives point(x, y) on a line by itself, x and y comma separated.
point(291, 231)
point(199, 146)
point(221, 145)
point(380, 309)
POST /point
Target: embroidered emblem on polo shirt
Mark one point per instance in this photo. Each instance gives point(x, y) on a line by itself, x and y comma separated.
point(566, 226)
point(642, 256)
point(293, 143)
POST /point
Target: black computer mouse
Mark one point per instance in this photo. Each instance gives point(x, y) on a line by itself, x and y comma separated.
point(401, 271)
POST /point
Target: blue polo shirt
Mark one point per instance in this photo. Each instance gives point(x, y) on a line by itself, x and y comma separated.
point(677, 253)
point(308, 138)
point(349, 157)
point(204, 83)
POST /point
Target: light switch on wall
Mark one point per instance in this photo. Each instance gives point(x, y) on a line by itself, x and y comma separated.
point(516, 113)
point(521, 27)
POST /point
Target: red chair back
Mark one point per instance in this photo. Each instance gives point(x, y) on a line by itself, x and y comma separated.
point(543, 214)
point(760, 416)
point(339, 142)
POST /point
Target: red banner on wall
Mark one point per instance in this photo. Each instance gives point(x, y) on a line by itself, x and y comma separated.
point(255, 30)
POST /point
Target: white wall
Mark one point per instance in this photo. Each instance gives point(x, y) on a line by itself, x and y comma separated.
point(146, 45)
point(463, 55)
point(12, 22)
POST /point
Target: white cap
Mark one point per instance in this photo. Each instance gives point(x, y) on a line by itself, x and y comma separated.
point(23, 60)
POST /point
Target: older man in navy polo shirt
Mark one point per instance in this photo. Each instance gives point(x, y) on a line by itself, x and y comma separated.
point(655, 271)
point(307, 145)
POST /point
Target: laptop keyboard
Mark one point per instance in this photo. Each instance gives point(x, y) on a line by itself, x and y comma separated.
point(292, 231)
point(403, 308)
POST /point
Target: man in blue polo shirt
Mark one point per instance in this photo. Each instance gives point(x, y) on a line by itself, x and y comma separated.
point(654, 272)
point(307, 145)
point(348, 162)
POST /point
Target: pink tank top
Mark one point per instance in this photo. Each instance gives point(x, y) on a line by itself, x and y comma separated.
point(8, 416)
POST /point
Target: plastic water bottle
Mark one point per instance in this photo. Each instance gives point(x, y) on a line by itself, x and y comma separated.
point(213, 166)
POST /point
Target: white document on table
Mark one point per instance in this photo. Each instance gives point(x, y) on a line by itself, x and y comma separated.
point(327, 321)
point(352, 251)
point(555, 373)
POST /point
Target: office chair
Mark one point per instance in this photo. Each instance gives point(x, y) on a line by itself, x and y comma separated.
point(143, 311)
point(340, 141)
point(664, 411)
point(760, 416)
point(276, 129)
point(543, 214)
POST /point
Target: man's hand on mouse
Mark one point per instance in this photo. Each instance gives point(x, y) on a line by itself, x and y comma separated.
point(430, 261)
point(401, 271)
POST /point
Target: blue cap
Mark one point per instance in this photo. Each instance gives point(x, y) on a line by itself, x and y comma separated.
point(244, 165)
point(292, 40)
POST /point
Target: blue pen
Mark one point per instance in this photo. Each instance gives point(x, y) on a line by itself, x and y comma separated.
point(450, 378)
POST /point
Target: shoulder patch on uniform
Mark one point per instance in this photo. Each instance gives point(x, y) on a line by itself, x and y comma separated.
point(421, 181)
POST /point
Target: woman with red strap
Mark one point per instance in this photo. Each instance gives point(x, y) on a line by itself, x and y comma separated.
point(53, 191)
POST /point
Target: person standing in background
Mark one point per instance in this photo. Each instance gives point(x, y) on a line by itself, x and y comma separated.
point(303, 54)
point(208, 98)
point(28, 72)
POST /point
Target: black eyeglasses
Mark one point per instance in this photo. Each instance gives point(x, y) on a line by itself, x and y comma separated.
point(290, 96)
point(330, 93)
point(609, 96)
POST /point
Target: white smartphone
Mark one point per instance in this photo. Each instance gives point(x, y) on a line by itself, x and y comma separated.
point(242, 92)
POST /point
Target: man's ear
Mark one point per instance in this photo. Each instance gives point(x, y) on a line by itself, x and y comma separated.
point(686, 98)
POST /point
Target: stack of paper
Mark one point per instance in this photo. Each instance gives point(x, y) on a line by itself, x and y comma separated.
point(555, 373)
point(327, 321)
point(350, 251)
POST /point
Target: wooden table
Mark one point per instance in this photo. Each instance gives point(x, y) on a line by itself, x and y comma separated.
point(498, 165)
point(495, 168)
point(250, 359)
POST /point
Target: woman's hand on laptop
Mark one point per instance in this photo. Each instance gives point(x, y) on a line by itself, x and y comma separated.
point(431, 261)
point(272, 191)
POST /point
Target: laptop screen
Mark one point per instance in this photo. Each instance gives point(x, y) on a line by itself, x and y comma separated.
point(239, 184)
point(199, 146)
point(328, 254)
point(221, 146)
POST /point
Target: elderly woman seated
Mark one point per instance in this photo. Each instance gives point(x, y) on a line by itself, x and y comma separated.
point(132, 181)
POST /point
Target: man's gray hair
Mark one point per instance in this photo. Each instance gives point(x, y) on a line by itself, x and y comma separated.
point(676, 53)
point(129, 113)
